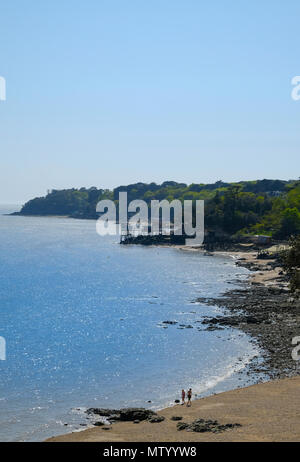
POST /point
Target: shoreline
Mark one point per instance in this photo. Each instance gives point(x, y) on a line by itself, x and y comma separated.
point(264, 309)
point(265, 412)
point(266, 292)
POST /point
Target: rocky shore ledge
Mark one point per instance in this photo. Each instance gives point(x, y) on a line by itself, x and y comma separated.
point(265, 309)
point(271, 317)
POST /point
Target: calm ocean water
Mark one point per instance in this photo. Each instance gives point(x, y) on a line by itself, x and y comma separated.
point(82, 317)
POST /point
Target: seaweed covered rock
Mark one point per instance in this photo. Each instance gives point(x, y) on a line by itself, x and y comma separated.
point(132, 413)
point(101, 411)
point(182, 426)
point(202, 426)
point(129, 414)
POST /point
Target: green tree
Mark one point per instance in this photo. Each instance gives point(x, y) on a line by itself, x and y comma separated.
point(291, 263)
point(290, 222)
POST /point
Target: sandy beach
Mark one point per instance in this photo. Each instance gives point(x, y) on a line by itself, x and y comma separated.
point(262, 275)
point(267, 411)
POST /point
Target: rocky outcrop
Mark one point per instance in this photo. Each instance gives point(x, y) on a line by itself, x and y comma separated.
point(99, 424)
point(235, 320)
point(202, 426)
point(101, 411)
point(129, 414)
point(156, 419)
point(270, 316)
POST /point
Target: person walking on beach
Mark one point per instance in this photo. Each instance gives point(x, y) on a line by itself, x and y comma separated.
point(182, 396)
point(189, 397)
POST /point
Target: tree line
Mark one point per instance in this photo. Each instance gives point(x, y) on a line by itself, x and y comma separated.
point(270, 207)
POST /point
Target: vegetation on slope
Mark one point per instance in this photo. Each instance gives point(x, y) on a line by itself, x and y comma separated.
point(270, 207)
point(291, 263)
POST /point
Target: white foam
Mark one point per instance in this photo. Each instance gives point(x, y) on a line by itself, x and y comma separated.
point(230, 370)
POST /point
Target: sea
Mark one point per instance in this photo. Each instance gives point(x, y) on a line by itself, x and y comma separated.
point(83, 320)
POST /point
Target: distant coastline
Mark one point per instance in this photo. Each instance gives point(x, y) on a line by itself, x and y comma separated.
point(232, 210)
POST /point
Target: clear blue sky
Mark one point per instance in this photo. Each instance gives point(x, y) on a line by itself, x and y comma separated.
point(106, 92)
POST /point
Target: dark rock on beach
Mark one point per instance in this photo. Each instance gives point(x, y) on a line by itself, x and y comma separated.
point(101, 411)
point(99, 423)
point(202, 426)
point(182, 426)
point(156, 419)
point(130, 414)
